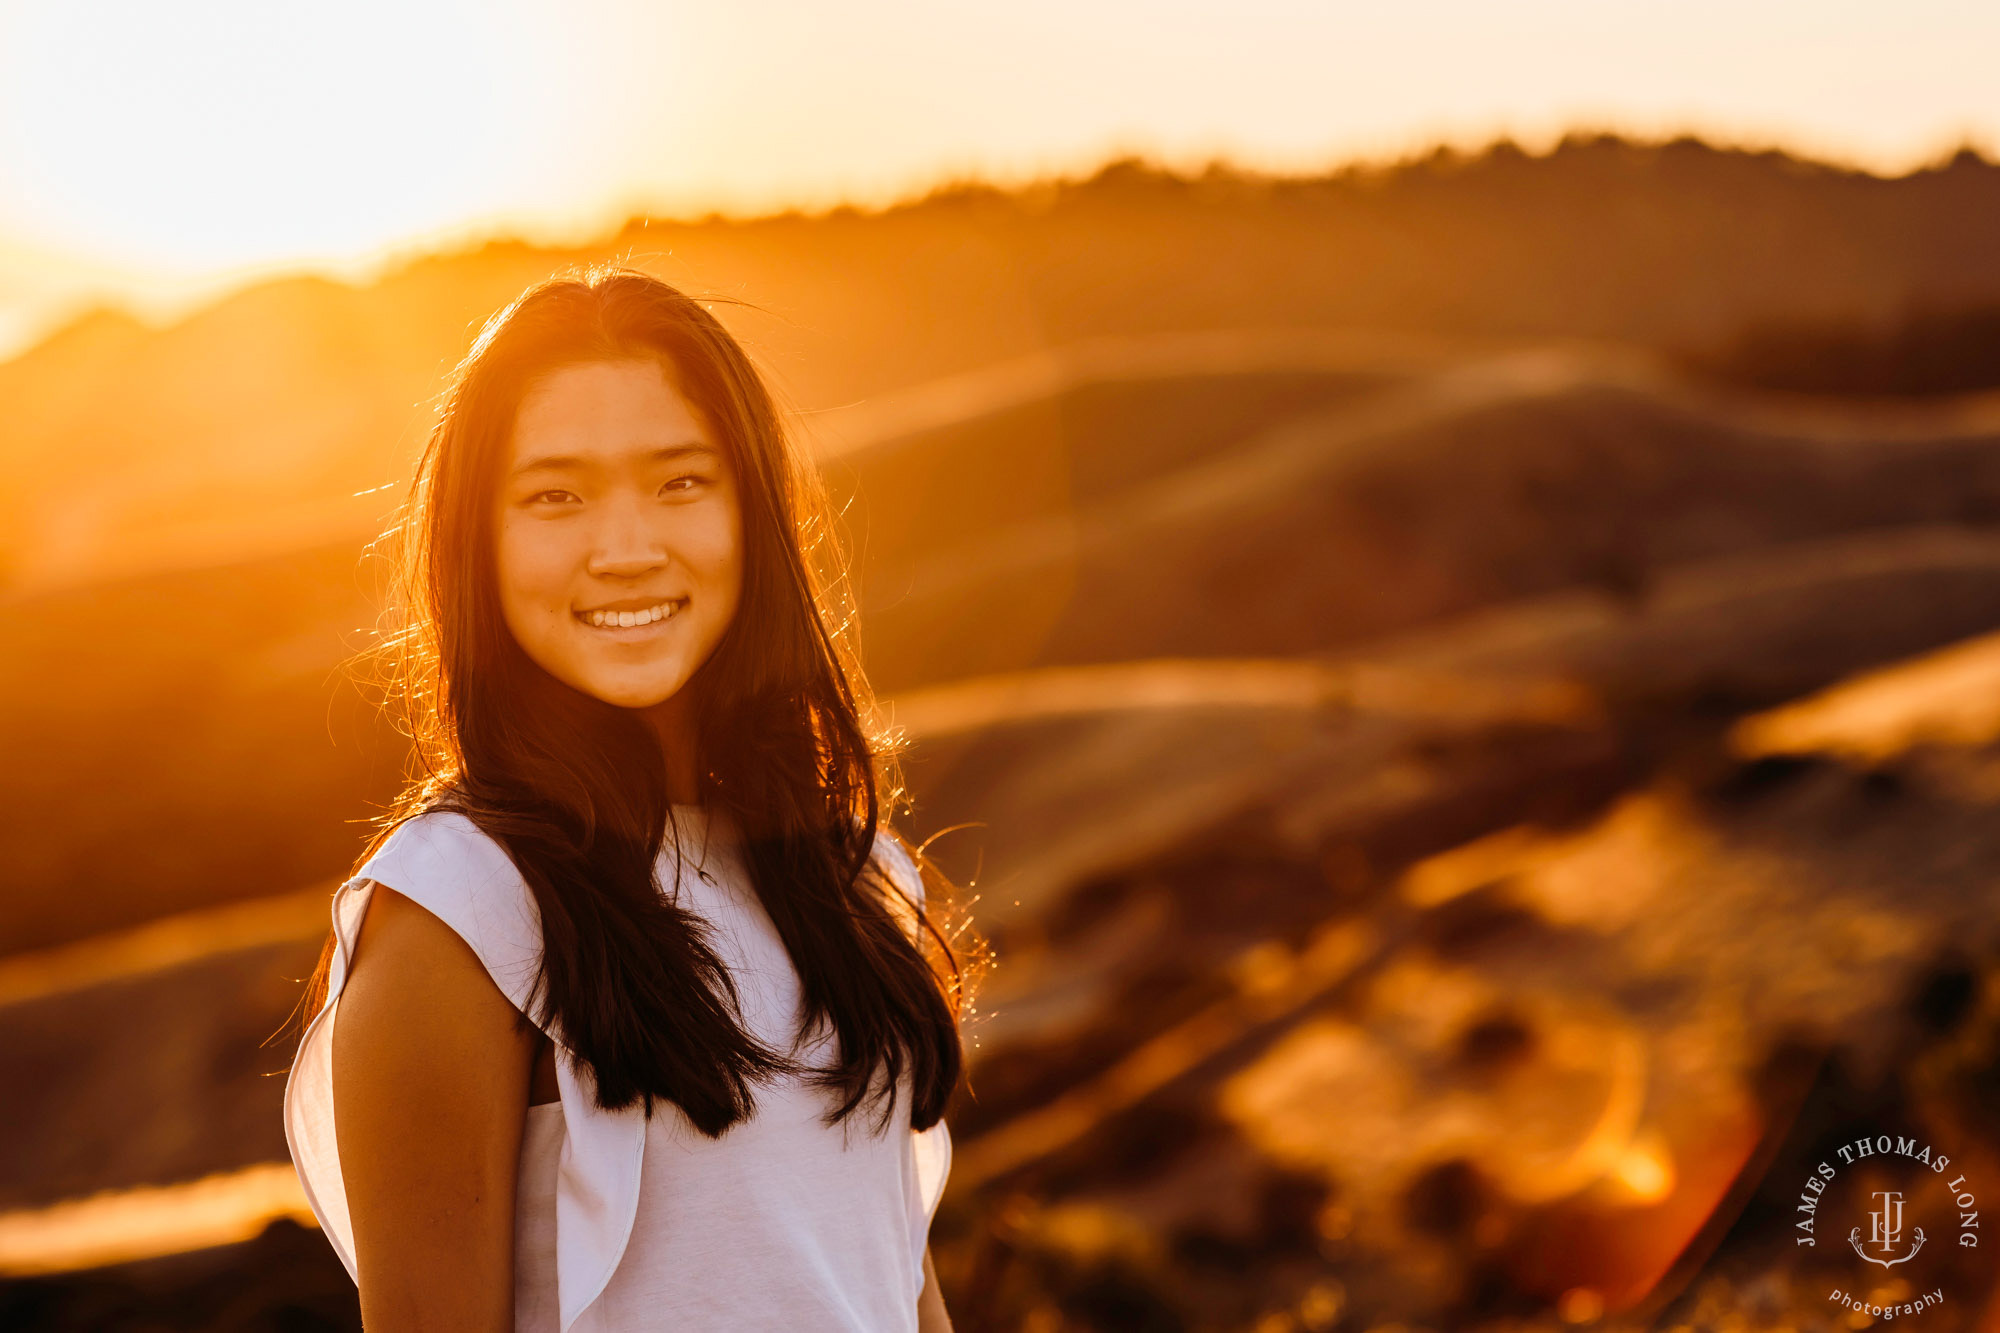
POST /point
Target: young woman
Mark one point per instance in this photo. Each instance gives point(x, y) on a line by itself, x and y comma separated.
point(633, 1015)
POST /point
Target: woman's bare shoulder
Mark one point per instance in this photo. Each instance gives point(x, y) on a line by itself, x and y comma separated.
point(403, 930)
point(441, 864)
point(409, 961)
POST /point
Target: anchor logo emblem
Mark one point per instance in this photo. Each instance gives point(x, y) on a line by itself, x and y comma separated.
point(1886, 1232)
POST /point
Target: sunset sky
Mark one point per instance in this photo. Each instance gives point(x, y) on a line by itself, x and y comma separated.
point(158, 152)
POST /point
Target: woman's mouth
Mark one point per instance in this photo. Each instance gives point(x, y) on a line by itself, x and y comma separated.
point(630, 621)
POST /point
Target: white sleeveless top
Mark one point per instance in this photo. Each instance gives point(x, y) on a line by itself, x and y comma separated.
point(621, 1223)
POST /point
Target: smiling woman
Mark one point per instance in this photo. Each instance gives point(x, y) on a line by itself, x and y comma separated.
point(578, 1084)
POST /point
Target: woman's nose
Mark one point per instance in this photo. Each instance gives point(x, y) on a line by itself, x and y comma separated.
point(624, 541)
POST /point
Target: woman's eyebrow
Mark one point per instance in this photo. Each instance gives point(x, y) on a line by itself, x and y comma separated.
point(667, 453)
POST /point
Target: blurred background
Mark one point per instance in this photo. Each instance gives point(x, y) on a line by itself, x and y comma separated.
point(1441, 563)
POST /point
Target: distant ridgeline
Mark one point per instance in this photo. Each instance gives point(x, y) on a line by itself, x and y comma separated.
point(1679, 246)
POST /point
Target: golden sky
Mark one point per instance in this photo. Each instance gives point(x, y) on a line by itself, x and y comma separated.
point(155, 149)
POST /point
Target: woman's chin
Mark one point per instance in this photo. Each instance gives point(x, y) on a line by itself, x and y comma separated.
point(629, 693)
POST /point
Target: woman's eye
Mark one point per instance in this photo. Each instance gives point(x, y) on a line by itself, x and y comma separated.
point(675, 484)
point(539, 496)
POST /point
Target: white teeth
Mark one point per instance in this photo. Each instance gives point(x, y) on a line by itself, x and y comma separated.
point(629, 619)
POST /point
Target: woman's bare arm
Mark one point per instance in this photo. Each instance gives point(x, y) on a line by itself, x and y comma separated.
point(430, 1086)
point(931, 1314)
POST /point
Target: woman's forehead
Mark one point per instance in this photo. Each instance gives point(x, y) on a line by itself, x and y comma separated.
point(607, 414)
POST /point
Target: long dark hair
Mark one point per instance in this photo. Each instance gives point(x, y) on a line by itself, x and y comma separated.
point(575, 788)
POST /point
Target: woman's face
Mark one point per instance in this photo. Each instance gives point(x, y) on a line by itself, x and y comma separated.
point(620, 540)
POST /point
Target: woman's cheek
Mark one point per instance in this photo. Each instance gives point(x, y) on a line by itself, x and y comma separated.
point(529, 591)
point(721, 541)
point(534, 564)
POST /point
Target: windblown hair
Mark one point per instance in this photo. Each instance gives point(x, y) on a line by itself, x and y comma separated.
point(575, 788)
